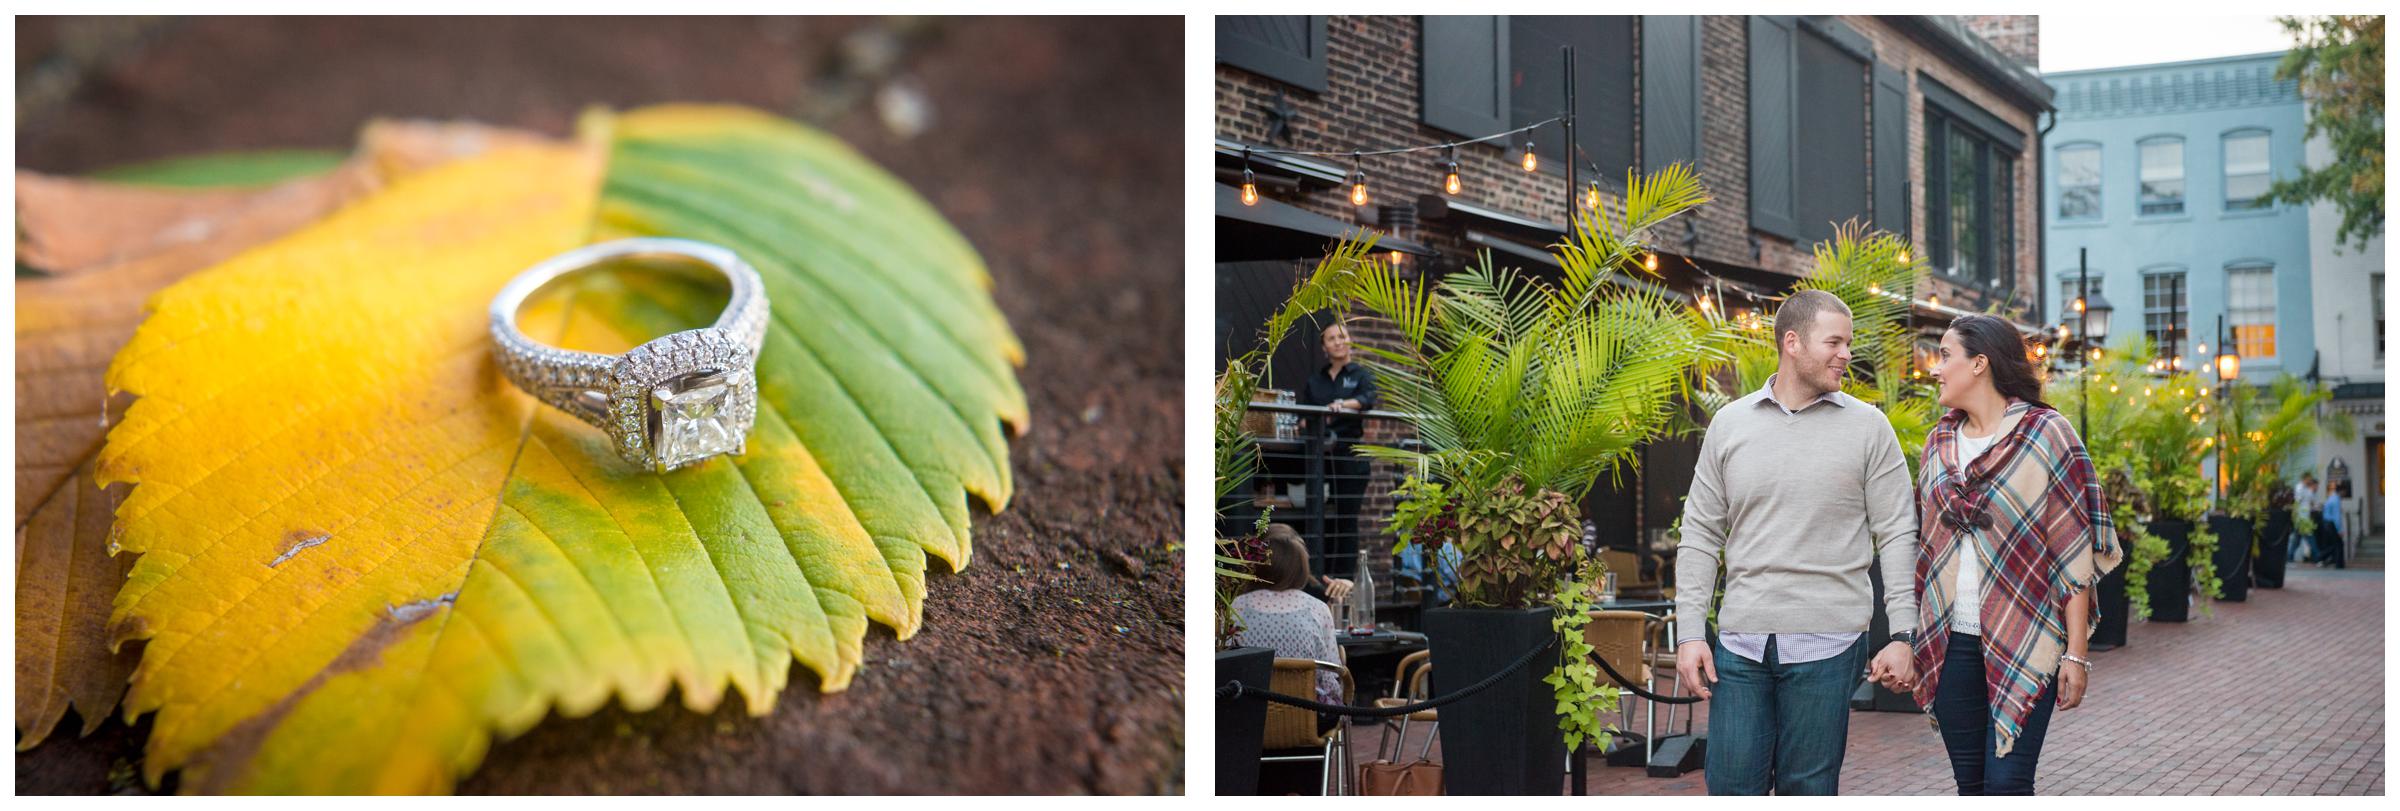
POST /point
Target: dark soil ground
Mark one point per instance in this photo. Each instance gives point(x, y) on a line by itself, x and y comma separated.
point(1054, 663)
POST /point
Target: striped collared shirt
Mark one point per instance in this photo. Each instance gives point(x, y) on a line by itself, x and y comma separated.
point(1790, 649)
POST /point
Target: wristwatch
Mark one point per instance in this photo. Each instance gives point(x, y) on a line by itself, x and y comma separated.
point(1905, 637)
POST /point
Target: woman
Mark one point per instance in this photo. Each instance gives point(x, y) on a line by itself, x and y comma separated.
point(2331, 548)
point(1277, 613)
point(2007, 498)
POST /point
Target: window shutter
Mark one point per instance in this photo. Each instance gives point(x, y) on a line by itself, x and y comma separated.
point(1773, 98)
point(1463, 73)
point(1287, 48)
point(1830, 129)
point(1891, 149)
point(1670, 90)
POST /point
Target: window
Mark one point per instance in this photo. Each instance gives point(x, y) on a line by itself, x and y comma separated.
point(2079, 182)
point(1968, 195)
point(2166, 312)
point(2246, 175)
point(2250, 310)
point(2377, 281)
point(2162, 175)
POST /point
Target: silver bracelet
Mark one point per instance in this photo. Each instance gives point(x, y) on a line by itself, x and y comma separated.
point(2086, 663)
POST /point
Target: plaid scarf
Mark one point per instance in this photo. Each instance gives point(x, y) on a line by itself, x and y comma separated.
point(2030, 510)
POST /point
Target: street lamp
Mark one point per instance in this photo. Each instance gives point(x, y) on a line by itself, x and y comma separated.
point(2229, 367)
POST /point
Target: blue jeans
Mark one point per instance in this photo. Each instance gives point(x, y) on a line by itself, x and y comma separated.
point(1772, 725)
point(1962, 707)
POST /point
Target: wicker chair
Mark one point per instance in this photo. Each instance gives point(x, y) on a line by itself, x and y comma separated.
point(1410, 684)
point(1622, 638)
point(1291, 729)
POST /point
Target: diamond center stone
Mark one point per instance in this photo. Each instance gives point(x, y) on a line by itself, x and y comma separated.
point(695, 417)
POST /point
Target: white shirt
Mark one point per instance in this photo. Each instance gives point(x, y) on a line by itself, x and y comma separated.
point(1966, 616)
point(1790, 649)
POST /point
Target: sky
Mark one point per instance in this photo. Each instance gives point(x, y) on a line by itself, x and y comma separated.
point(2074, 42)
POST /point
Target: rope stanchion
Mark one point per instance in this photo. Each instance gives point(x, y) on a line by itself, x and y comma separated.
point(1629, 685)
point(1234, 690)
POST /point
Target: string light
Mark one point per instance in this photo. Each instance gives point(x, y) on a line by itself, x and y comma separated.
point(1876, 289)
point(1904, 256)
point(1395, 256)
point(1591, 195)
point(1650, 262)
point(1450, 182)
point(1932, 300)
point(2062, 332)
point(1249, 180)
point(1706, 306)
point(1358, 182)
point(2078, 304)
point(1530, 162)
point(2202, 349)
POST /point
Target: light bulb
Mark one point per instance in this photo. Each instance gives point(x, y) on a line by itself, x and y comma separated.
point(1932, 300)
point(1705, 304)
point(1903, 256)
point(2203, 349)
point(1591, 195)
point(2078, 304)
point(1450, 182)
point(1358, 187)
point(1249, 188)
point(1395, 256)
point(1650, 262)
point(1530, 162)
point(1876, 289)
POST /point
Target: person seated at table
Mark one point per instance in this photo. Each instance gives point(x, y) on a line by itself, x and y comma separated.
point(1442, 579)
point(1276, 613)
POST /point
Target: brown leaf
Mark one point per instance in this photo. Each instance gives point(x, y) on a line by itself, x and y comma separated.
point(106, 248)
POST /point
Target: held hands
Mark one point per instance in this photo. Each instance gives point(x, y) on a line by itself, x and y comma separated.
point(2073, 680)
point(1895, 667)
point(1692, 661)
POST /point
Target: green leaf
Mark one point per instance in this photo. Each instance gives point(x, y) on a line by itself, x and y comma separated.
point(364, 555)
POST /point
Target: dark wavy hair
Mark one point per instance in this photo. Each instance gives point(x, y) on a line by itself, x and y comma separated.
point(2012, 372)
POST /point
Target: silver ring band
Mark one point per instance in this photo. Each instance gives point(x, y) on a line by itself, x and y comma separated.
point(673, 401)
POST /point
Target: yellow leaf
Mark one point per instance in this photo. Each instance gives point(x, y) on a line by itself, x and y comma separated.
point(101, 249)
point(364, 554)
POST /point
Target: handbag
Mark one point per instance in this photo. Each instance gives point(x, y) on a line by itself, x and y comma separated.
point(1383, 778)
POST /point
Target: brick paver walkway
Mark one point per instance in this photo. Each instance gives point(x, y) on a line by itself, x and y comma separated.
point(2282, 694)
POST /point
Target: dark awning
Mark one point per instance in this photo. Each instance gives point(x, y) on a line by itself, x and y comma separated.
point(1273, 230)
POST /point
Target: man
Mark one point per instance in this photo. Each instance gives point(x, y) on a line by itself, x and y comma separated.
point(1792, 482)
point(1345, 388)
point(2304, 500)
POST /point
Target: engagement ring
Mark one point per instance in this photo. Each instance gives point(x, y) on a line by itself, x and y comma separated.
point(674, 401)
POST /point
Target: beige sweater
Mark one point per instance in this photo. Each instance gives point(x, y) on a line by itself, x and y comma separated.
point(1797, 506)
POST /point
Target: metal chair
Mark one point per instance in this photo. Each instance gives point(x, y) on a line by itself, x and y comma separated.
point(1291, 728)
point(1410, 684)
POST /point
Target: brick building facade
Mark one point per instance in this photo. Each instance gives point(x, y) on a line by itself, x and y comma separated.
point(1649, 90)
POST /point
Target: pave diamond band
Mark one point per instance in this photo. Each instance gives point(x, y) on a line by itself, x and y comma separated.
point(674, 401)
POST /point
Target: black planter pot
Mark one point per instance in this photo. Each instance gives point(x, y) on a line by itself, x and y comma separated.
point(2233, 556)
point(1505, 739)
point(2171, 580)
point(2116, 610)
point(2274, 545)
point(1242, 723)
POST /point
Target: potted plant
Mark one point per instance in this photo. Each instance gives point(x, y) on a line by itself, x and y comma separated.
point(1241, 725)
point(1523, 391)
point(2261, 435)
point(2148, 431)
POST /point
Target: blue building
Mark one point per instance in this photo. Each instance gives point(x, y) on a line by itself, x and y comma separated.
point(2159, 172)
